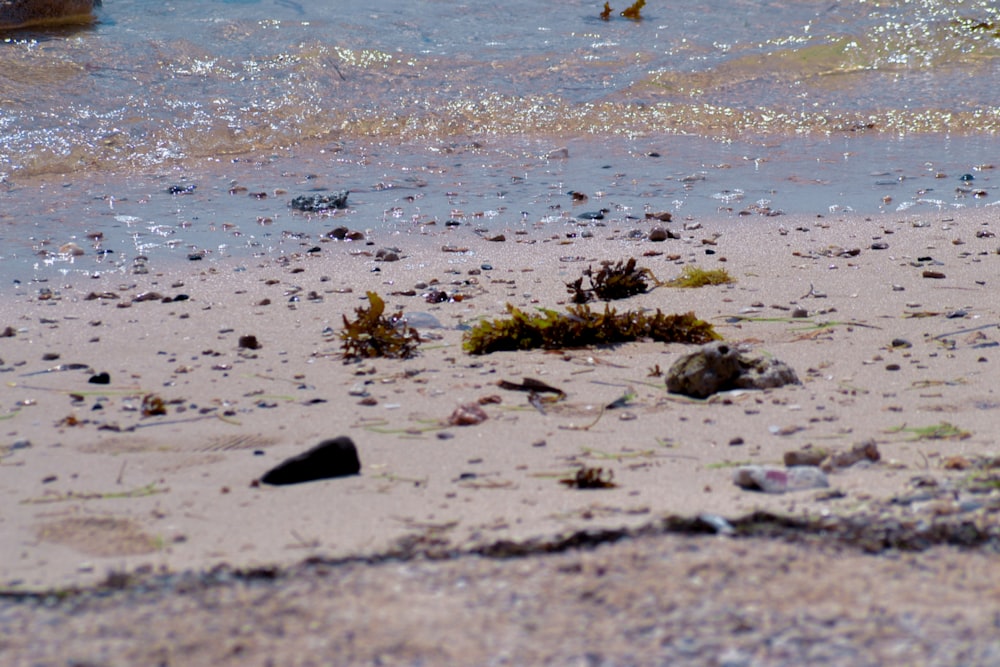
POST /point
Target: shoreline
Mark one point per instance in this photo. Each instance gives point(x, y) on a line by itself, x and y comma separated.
point(237, 209)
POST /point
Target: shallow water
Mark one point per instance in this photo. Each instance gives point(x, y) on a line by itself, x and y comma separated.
point(808, 106)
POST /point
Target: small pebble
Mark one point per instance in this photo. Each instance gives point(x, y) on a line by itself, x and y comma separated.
point(657, 234)
point(772, 479)
point(100, 378)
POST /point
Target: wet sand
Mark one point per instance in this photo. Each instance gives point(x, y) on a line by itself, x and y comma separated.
point(889, 323)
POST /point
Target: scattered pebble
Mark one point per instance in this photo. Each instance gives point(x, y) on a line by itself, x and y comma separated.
point(100, 378)
point(772, 479)
point(469, 414)
point(249, 342)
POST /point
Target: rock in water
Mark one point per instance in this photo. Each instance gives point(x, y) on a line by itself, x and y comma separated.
point(24, 13)
point(331, 458)
point(719, 366)
point(320, 203)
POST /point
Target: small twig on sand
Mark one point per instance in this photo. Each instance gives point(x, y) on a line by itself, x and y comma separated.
point(813, 293)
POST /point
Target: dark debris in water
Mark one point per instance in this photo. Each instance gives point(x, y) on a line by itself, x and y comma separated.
point(320, 203)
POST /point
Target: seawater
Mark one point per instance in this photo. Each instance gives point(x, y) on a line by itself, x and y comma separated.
point(710, 108)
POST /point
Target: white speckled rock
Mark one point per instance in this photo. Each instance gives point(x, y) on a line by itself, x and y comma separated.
point(719, 366)
point(773, 479)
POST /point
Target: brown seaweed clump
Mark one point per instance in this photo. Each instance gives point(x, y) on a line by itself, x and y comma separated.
point(632, 12)
point(581, 326)
point(374, 335)
point(612, 281)
point(591, 478)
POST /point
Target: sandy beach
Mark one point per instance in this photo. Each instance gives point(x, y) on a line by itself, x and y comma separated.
point(890, 325)
point(202, 211)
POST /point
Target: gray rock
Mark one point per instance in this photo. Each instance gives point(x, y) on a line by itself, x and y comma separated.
point(319, 203)
point(719, 366)
point(331, 458)
point(658, 234)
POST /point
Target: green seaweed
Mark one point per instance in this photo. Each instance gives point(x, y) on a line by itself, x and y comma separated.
point(942, 431)
point(581, 326)
point(726, 464)
point(612, 281)
point(695, 276)
point(374, 335)
point(150, 489)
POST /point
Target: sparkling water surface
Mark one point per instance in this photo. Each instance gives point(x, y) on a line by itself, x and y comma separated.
point(709, 108)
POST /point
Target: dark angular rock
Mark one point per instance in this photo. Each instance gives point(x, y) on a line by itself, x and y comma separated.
point(331, 458)
point(249, 342)
point(100, 378)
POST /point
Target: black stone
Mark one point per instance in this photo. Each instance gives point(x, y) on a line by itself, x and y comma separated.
point(249, 342)
point(592, 215)
point(331, 458)
point(100, 378)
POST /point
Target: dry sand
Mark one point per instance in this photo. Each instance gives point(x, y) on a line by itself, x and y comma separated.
point(898, 343)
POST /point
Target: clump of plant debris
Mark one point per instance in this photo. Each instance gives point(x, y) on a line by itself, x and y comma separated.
point(612, 281)
point(581, 326)
point(374, 335)
point(153, 405)
point(591, 478)
point(694, 276)
point(631, 13)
